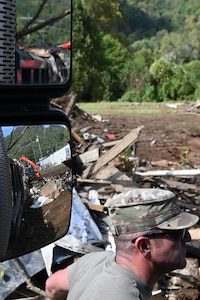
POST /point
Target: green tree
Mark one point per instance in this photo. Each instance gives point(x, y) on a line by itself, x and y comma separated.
point(193, 68)
point(171, 82)
point(115, 56)
point(107, 13)
point(87, 52)
point(135, 75)
point(98, 58)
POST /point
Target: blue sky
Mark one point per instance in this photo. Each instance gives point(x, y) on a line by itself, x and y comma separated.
point(7, 130)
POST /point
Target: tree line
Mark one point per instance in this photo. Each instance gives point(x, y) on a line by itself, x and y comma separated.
point(132, 50)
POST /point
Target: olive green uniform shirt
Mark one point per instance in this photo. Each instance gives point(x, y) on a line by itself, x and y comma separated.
point(96, 276)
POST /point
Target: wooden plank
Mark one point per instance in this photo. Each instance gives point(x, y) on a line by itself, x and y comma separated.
point(110, 144)
point(89, 156)
point(182, 186)
point(93, 181)
point(70, 105)
point(119, 181)
point(93, 206)
point(76, 136)
point(130, 138)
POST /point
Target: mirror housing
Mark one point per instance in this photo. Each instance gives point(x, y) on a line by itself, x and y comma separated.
point(35, 56)
point(41, 180)
point(28, 81)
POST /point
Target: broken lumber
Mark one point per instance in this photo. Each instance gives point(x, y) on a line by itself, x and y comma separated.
point(76, 136)
point(89, 156)
point(118, 180)
point(70, 105)
point(130, 138)
point(93, 206)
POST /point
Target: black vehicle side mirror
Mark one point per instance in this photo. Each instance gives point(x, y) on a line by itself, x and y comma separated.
point(36, 181)
point(35, 66)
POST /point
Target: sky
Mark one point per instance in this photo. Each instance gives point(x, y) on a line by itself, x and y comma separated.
point(7, 130)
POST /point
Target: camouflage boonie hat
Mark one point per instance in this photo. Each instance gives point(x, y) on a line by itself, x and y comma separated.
point(142, 209)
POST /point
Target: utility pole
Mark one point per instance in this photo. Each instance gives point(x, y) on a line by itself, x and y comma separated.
point(28, 18)
point(33, 150)
point(38, 141)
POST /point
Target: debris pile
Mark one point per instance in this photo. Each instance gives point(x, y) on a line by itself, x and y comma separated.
point(107, 164)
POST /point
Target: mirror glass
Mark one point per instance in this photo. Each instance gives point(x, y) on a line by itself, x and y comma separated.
point(41, 174)
point(42, 42)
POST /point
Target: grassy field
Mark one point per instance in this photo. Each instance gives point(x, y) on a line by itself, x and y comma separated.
point(123, 108)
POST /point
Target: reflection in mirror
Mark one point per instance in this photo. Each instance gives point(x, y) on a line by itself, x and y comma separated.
point(40, 167)
point(43, 42)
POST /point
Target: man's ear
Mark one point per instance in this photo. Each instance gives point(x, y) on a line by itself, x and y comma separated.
point(143, 245)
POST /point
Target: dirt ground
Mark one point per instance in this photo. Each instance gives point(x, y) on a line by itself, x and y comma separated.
point(172, 137)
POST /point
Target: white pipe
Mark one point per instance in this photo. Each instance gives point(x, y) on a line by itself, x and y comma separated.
point(168, 172)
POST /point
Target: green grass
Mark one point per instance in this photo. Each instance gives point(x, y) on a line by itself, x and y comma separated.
point(123, 108)
point(51, 169)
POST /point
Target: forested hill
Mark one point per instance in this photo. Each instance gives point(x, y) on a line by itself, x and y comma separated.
point(165, 26)
point(144, 19)
point(136, 50)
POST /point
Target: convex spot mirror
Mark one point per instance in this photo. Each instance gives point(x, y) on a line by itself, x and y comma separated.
point(36, 46)
point(36, 190)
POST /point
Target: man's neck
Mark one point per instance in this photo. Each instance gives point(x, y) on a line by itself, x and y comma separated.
point(142, 268)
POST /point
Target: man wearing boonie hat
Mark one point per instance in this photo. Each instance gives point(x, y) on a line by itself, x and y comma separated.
point(150, 232)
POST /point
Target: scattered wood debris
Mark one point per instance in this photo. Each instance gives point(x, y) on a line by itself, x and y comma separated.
point(100, 171)
point(101, 164)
